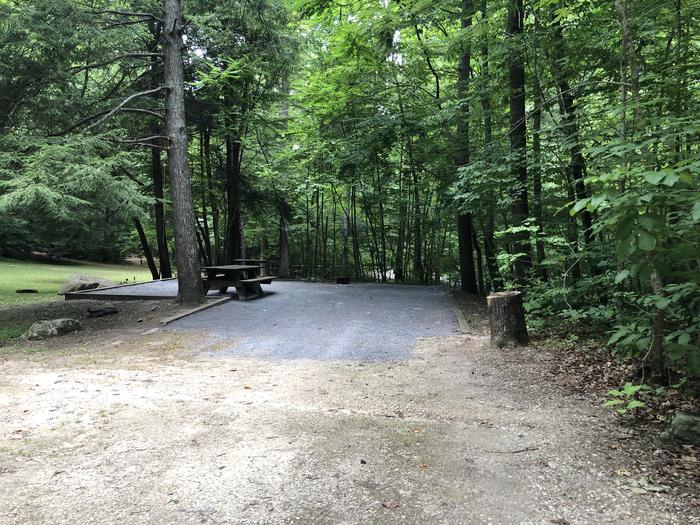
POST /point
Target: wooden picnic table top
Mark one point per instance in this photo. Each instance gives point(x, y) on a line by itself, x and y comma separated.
point(231, 268)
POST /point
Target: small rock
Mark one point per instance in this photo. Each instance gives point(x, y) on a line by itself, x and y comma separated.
point(78, 283)
point(684, 428)
point(52, 328)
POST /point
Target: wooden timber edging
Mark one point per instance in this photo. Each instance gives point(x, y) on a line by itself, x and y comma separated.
point(209, 304)
point(97, 293)
point(464, 326)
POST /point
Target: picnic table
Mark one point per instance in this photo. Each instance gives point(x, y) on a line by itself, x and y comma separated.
point(245, 278)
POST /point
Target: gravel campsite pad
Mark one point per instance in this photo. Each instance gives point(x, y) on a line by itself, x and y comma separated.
point(315, 404)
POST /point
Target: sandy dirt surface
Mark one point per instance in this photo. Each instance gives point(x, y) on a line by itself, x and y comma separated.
point(137, 423)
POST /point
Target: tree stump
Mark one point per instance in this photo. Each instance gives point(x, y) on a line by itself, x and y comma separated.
point(507, 319)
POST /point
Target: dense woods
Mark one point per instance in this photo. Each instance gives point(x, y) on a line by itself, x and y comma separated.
point(548, 146)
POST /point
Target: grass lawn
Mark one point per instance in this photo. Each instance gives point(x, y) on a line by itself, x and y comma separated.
point(48, 278)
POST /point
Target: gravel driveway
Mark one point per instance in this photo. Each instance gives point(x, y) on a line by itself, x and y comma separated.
point(361, 322)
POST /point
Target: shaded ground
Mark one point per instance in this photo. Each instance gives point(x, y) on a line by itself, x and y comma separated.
point(147, 425)
point(328, 321)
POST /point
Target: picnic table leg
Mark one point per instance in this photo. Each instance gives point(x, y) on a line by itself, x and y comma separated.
point(242, 292)
point(223, 289)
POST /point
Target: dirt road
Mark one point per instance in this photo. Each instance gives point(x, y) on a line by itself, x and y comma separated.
point(141, 424)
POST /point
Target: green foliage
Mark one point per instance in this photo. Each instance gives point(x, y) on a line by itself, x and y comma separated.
point(72, 196)
point(626, 399)
point(633, 397)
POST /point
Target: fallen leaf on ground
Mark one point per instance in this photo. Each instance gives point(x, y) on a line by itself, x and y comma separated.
point(390, 504)
point(643, 486)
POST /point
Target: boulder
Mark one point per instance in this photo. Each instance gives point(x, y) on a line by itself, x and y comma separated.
point(83, 282)
point(684, 428)
point(52, 328)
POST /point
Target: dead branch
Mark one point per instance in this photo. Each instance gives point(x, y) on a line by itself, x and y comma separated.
point(144, 144)
point(144, 111)
point(127, 23)
point(145, 139)
point(124, 103)
point(78, 69)
point(526, 449)
point(149, 16)
point(102, 113)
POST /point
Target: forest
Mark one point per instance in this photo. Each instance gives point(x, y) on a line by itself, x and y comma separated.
point(550, 146)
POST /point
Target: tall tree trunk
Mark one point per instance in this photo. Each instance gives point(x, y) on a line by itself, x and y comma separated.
point(466, 253)
point(372, 242)
point(489, 227)
point(159, 212)
point(678, 91)
point(657, 355)
point(537, 170)
point(479, 265)
point(399, 270)
point(146, 249)
point(345, 235)
point(490, 252)
point(382, 230)
point(571, 230)
point(156, 29)
point(464, 221)
point(314, 267)
point(516, 77)
point(283, 207)
point(212, 200)
point(285, 259)
point(357, 255)
point(629, 58)
point(567, 105)
point(418, 237)
point(203, 185)
point(335, 245)
point(233, 240)
point(307, 238)
point(189, 280)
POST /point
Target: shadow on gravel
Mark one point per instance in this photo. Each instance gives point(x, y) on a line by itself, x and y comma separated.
point(359, 322)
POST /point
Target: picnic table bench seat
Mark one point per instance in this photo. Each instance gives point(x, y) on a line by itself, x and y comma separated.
point(239, 276)
point(263, 279)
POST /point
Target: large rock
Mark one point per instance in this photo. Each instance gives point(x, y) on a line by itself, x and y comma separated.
point(684, 428)
point(83, 282)
point(52, 328)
